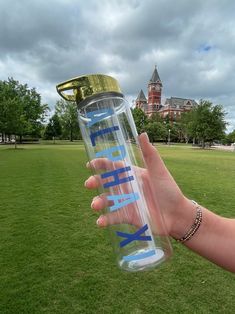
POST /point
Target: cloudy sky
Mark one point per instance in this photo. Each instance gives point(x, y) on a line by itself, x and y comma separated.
point(44, 42)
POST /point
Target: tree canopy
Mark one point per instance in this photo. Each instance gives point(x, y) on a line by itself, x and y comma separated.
point(206, 122)
point(230, 138)
point(67, 113)
point(21, 110)
point(140, 119)
point(53, 129)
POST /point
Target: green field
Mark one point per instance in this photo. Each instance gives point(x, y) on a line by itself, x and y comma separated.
point(55, 260)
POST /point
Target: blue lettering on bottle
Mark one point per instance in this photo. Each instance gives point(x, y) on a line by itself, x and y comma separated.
point(130, 237)
point(98, 115)
point(122, 200)
point(140, 256)
point(101, 132)
point(110, 151)
point(115, 174)
point(114, 154)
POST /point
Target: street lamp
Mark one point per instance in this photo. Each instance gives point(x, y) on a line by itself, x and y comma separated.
point(169, 136)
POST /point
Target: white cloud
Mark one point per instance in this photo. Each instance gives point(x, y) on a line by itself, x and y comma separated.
point(192, 43)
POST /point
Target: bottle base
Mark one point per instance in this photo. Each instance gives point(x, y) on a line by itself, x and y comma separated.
point(143, 259)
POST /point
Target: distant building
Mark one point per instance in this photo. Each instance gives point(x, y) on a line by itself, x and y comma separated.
point(141, 101)
point(173, 107)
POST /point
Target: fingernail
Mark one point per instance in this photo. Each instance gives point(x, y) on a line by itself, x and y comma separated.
point(100, 221)
point(146, 136)
point(85, 183)
point(88, 164)
point(93, 202)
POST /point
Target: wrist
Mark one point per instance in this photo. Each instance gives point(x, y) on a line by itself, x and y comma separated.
point(183, 218)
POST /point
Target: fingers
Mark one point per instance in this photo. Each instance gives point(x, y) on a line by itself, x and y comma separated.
point(154, 165)
point(104, 164)
point(113, 218)
point(152, 158)
point(100, 202)
point(122, 215)
point(93, 182)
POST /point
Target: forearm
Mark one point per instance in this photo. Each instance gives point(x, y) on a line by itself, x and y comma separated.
point(215, 238)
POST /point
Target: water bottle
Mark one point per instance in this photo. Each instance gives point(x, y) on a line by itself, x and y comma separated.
point(139, 240)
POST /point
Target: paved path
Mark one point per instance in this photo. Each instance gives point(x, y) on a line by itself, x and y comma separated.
point(224, 147)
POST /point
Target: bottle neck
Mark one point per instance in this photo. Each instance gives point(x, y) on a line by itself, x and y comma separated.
point(98, 97)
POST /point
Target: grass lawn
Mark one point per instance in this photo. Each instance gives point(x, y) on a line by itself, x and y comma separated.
point(55, 260)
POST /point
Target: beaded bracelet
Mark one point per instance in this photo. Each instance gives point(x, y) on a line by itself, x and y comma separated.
point(193, 229)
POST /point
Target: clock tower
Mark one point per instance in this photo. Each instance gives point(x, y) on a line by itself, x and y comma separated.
point(154, 93)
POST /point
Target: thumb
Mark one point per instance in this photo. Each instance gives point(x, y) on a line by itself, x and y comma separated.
point(152, 159)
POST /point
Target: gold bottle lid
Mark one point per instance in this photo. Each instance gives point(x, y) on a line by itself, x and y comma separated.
point(86, 86)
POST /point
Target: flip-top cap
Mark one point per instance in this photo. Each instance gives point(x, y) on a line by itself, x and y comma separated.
point(87, 86)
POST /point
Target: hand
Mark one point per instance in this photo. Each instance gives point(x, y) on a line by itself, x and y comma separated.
point(160, 190)
point(215, 238)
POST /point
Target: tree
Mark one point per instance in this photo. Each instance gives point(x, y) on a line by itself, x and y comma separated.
point(155, 117)
point(53, 128)
point(140, 119)
point(156, 131)
point(67, 113)
point(2, 113)
point(186, 125)
point(231, 137)
point(206, 122)
point(21, 111)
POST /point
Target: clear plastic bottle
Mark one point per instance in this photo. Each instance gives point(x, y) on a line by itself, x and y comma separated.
point(139, 239)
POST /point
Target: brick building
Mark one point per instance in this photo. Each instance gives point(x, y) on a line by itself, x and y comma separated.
point(173, 106)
